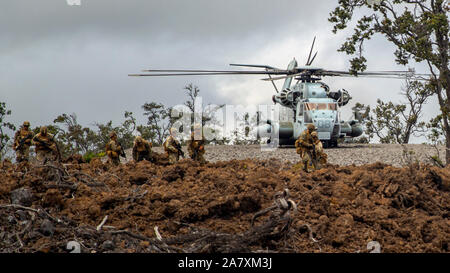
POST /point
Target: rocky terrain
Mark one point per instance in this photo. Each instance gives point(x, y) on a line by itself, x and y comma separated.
point(344, 155)
point(226, 206)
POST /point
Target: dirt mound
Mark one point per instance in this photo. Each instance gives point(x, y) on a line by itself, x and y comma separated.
point(104, 208)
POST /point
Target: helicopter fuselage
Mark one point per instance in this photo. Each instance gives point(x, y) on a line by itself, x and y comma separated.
point(312, 103)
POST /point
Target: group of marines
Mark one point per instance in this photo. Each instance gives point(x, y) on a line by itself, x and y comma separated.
point(142, 149)
point(307, 145)
point(46, 148)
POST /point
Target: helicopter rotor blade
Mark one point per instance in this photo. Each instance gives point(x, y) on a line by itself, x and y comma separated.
point(194, 72)
point(418, 78)
point(206, 73)
point(274, 85)
point(375, 74)
point(257, 65)
point(312, 60)
point(310, 52)
point(284, 77)
point(200, 71)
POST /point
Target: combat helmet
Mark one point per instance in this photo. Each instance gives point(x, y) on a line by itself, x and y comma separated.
point(43, 130)
point(311, 127)
point(139, 139)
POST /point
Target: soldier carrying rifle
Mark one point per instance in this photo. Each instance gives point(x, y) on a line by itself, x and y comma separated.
point(196, 147)
point(22, 142)
point(319, 156)
point(114, 149)
point(305, 147)
point(173, 147)
point(142, 149)
point(46, 149)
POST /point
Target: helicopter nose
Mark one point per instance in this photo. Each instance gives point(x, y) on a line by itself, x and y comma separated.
point(324, 123)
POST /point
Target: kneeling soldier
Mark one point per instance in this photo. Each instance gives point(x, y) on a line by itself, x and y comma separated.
point(320, 157)
point(142, 149)
point(173, 147)
point(114, 150)
point(305, 146)
point(196, 148)
point(45, 146)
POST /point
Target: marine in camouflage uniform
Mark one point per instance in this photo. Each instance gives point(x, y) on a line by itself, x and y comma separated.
point(113, 149)
point(22, 142)
point(142, 149)
point(321, 156)
point(170, 146)
point(46, 149)
point(196, 148)
point(305, 145)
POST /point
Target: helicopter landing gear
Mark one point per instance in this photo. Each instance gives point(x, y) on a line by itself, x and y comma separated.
point(273, 142)
point(330, 143)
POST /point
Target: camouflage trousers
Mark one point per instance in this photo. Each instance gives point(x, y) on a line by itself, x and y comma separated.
point(321, 160)
point(145, 156)
point(173, 157)
point(310, 163)
point(307, 161)
point(114, 160)
point(44, 156)
point(198, 157)
point(23, 154)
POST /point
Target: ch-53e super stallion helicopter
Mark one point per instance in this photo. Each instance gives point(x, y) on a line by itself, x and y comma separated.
point(311, 100)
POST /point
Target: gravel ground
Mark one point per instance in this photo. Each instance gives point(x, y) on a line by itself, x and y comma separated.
point(345, 154)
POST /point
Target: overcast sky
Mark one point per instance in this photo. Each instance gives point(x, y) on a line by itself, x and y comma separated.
point(57, 58)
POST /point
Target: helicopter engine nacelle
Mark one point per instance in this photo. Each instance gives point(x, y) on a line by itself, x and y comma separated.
point(342, 97)
point(285, 98)
point(280, 130)
point(351, 128)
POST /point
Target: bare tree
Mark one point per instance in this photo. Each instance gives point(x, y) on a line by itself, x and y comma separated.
point(159, 121)
point(207, 114)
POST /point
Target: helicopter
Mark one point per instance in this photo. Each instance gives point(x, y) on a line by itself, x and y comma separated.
point(310, 99)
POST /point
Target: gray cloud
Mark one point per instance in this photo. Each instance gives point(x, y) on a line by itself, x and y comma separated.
point(61, 59)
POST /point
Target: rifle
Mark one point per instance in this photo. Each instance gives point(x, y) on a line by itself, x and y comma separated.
point(22, 141)
point(197, 150)
point(178, 147)
point(122, 151)
point(195, 155)
point(314, 156)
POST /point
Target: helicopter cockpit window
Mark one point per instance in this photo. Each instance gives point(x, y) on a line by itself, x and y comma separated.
point(308, 117)
point(320, 106)
point(310, 106)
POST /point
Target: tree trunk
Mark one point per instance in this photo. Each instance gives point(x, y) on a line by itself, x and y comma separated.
point(445, 109)
point(447, 150)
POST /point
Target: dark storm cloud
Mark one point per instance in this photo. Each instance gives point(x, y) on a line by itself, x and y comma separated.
point(27, 21)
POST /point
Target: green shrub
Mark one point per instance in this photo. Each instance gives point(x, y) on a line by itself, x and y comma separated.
point(90, 155)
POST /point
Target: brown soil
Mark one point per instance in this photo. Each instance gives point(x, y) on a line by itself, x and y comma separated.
point(340, 209)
